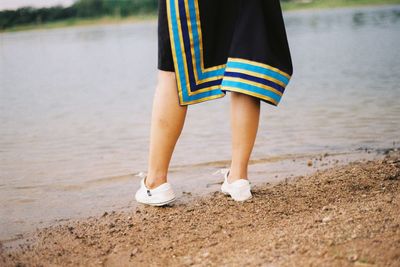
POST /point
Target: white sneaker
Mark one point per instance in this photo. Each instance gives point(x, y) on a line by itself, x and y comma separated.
point(239, 190)
point(159, 196)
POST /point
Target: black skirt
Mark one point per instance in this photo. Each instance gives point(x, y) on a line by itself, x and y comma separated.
point(215, 46)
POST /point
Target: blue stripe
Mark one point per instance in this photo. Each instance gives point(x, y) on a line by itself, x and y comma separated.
point(255, 79)
point(196, 43)
point(180, 61)
point(186, 43)
point(189, 59)
point(252, 88)
point(191, 81)
point(258, 69)
point(178, 50)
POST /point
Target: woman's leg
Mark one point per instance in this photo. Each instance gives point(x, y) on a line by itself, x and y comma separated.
point(167, 121)
point(245, 116)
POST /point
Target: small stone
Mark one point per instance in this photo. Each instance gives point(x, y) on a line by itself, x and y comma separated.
point(325, 208)
point(389, 199)
point(396, 225)
point(309, 163)
point(134, 252)
point(353, 257)
point(326, 219)
point(187, 260)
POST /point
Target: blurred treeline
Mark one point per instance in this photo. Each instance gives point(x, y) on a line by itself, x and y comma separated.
point(88, 9)
point(80, 9)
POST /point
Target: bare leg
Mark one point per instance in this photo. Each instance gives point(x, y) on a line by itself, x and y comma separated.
point(167, 121)
point(245, 116)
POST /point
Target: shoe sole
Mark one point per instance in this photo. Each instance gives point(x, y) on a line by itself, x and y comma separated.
point(160, 203)
point(228, 194)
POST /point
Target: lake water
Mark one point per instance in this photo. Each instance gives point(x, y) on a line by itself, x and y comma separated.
point(75, 109)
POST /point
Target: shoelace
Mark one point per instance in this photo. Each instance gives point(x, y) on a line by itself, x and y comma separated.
point(222, 171)
point(143, 175)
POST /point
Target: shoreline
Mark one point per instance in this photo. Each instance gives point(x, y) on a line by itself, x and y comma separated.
point(341, 216)
point(190, 181)
point(112, 20)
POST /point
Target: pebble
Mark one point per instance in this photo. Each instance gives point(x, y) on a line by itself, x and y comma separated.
point(326, 219)
point(353, 257)
point(206, 254)
point(134, 251)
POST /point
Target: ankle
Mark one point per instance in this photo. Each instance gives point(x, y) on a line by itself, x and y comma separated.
point(236, 175)
point(154, 181)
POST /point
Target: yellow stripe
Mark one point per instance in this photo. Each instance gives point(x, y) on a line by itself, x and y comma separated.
point(214, 67)
point(194, 59)
point(183, 48)
point(260, 65)
point(182, 102)
point(201, 41)
point(263, 86)
point(191, 42)
point(256, 74)
point(189, 92)
point(234, 89)
point(173, 51)
point(204, 99)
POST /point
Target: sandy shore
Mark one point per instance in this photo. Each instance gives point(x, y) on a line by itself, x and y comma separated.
point(343, 216)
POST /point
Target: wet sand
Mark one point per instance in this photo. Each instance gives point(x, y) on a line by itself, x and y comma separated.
point(341, 216)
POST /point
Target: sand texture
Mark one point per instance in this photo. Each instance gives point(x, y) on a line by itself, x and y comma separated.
point(343, 216)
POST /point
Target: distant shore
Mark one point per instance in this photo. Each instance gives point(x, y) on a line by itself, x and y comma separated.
point(106, 20)
point(287, 6)
point(309, 4)
point(342, 216)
